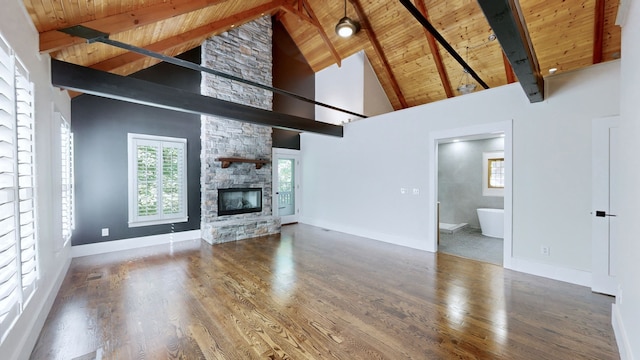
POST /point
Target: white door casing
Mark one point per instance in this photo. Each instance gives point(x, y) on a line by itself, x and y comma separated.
point(604, 221)
point(286, 204)
point(504, 127)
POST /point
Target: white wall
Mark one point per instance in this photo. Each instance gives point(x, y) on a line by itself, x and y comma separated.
point(354, 87)
point(352, 184)
point(375, 99)
point(342, 88)
point(53, 259)
point(626, 312)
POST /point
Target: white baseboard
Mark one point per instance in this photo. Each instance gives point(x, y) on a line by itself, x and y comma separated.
point(132, 243)
point(419, 244)
point(573, 276)
point(624, 346)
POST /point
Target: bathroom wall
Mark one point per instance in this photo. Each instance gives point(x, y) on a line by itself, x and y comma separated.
point(460, 180)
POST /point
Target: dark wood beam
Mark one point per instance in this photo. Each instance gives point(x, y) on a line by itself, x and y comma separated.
point(323, 34)
point(511, 77)
point(54, 40)
point(304, 12)
point(89, 81)
point(435, 51)
point(131, 60)
point(505, 18)
point(366, 26)
point(598, 36)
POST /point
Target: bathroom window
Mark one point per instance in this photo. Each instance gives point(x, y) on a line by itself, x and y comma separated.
point(493, 173)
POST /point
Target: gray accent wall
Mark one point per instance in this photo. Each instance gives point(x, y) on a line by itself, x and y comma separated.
point(460, 180)
point(100, 127)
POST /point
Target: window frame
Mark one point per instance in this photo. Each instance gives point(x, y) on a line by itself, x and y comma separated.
point(160, 142)
point(487, 157)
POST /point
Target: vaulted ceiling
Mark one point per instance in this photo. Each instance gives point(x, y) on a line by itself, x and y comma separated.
point(412, 68)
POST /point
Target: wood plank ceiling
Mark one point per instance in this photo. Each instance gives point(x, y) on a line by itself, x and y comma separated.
point(412, 68)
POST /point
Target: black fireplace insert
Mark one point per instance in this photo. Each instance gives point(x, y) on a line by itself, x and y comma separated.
point(235, 201)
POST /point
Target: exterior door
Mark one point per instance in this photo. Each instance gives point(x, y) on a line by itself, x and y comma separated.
point(286, 184)
point(604, 210)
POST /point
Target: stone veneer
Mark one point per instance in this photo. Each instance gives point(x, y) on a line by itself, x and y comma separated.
point(244, 52)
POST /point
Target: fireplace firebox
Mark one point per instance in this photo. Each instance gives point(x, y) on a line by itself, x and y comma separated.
point(235, 201)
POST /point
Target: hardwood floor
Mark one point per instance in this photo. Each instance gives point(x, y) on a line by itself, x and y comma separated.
point(314, 294)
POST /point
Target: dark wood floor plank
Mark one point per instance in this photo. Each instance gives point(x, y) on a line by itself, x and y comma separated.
point(315, 294)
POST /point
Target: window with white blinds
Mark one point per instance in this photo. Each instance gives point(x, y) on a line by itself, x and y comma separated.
point(18, 261)
point(66, 148)
point(157, 180)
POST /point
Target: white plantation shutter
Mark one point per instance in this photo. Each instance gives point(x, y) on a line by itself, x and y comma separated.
point(18, 256)
point(157, 180)
point(173, 179)
point(9, 268)
point(26, 180)
point(66, 142)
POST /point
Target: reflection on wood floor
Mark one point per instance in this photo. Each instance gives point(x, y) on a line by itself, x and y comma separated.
point(315, 294)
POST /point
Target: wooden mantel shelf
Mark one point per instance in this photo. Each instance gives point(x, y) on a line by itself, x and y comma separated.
point(226, 161)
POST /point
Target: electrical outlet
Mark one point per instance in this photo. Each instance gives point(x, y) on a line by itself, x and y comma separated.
point(416, 191)
point(403, 191)
point(105, 232)
point(545, 250)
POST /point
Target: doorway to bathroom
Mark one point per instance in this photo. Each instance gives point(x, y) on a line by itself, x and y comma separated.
point(471, 197)
point(470, 172)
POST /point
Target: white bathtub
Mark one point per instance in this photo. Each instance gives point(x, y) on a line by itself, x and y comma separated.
point(491, 222)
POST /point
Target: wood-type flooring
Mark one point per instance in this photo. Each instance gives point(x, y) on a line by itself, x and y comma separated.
point(315, 294)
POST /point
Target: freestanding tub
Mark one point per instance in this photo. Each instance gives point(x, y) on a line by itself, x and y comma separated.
point(491, 222)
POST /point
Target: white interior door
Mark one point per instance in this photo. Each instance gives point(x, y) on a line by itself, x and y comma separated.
point(286, 184)
point(604, 209)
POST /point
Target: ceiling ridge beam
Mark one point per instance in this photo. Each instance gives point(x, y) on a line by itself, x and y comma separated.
point(507, 22)
point(166, 46)
point(373, 39)
point(75, 77)
point(54, 40)
point(435, 51)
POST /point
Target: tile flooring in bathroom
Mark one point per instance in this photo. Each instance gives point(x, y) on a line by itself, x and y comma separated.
point(469, 243)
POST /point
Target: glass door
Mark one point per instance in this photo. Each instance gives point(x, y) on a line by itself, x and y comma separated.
point(286, 185)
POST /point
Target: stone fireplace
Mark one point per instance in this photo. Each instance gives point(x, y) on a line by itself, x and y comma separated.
point(245, 52)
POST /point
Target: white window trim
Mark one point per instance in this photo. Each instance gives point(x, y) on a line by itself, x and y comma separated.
point(134, 220)
point(486, 190)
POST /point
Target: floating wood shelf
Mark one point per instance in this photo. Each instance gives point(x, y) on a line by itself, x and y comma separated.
point(226, 161)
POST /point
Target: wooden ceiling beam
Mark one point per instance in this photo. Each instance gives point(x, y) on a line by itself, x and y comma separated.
point(373, 39)
point(507, 22)
point(74, 77)
point(311, 18)
point(435, 51)
point(55, 40)
point(598, 36)
point(116, 64)
point(511, 77)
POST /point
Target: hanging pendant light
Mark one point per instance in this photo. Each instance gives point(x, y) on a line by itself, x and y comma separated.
point(469, 87)
point(346, 26)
